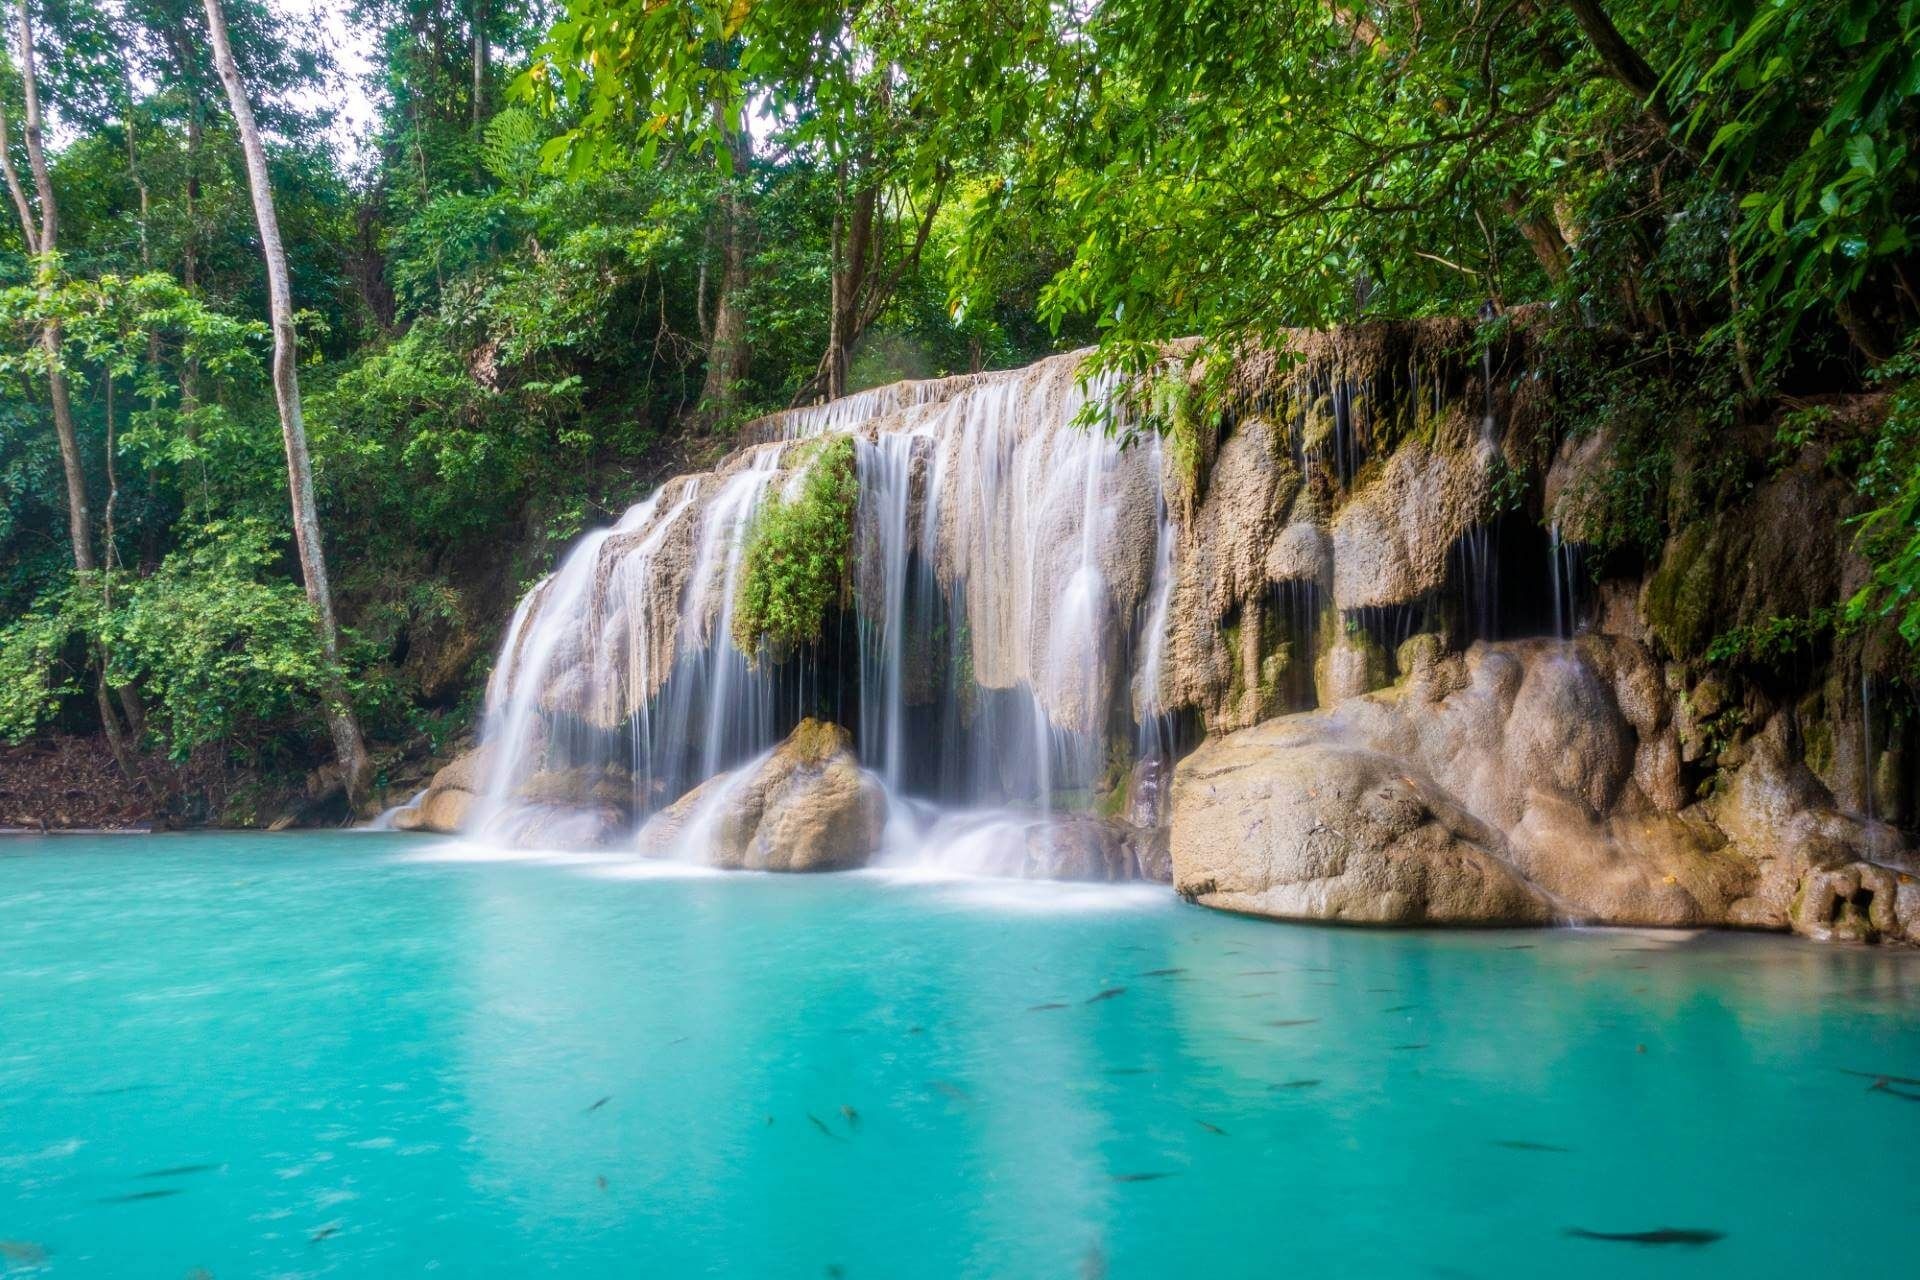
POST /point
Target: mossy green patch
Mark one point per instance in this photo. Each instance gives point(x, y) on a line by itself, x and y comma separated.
point(797, 552)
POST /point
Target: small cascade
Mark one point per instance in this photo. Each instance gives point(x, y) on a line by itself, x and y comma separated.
point(1149, 698)
point(1477, 567)
point(1567, 562)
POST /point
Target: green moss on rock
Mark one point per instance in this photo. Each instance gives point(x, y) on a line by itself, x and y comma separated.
point(797, 552)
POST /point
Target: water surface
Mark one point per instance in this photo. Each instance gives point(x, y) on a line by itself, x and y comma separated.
point(361, 1055)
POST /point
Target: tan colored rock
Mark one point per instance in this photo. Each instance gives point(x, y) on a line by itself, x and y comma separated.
point(1276, 822)
point(1391, 540)
point(443, 810)
point(805, 806)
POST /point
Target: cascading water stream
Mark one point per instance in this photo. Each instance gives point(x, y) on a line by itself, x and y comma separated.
point(1004, 556)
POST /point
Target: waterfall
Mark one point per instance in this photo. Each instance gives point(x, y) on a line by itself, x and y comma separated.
point(1012, 576)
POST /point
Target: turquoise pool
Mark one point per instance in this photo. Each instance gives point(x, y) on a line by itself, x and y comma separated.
point(377, 1055)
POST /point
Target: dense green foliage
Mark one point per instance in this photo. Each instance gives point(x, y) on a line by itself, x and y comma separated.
point(795, 560)
point(578, 253)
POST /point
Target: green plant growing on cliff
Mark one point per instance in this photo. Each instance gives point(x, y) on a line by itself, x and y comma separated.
point(1889, 533)
point(795, 561)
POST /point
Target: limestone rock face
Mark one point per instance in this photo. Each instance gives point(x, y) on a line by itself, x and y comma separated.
point(1279, 821)
point(1080, 847)
point(805, 806)
point(1390, 541)
point(1541, 781)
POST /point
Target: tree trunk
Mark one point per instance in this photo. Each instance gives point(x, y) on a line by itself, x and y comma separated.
point(728, 357)
point(43, 243)
point(349, 748)
point(479, 23)
point(1624, 63)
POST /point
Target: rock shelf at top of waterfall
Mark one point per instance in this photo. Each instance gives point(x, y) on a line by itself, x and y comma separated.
point(1020, 629)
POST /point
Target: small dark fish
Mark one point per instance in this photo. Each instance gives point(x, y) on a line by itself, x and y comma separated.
point(1421, 1045)
point(948, 1089)
point(1518, 1144)
point(1294, 1084)
point(851, 1116)
point(769, 1122)
point(1293, 1022)
point(1108, 994)
point(159, 1193)
point(1314, 970)
point(601, 1182)
point(1211, 1128)
point(1161, 973)
point(1519, 946)
point(821, 1125)
point(1130, 1071)
point(1140, 1177)
point(1885, 1086)
point(182, 1170)
point(1042, 1008)
point(331, 1229)
point(1094, 1265)
point(1691, 1236)
point(915, 1030)
point(1399, 1008)
point(603, 1102)
point(1880, 1077)
point(835, 1271)
point(1381, 991)
point(118, 1088)
point(1255, 973)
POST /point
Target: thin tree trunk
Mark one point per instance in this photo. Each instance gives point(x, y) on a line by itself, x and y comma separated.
point(1624, 63)
point(349, 747)
point(79, 519)
point(728, 357)
point(479, 22)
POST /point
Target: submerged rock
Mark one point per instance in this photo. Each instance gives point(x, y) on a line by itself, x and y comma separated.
point(805, 806)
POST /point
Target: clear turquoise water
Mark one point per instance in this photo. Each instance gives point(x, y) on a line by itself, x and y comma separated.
point(402, 1057)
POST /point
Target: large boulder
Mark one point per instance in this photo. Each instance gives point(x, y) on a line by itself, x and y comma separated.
point(805, 806)
point(449, 799)
point(1278, 821)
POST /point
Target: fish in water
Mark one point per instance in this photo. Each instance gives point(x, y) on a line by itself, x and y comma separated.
point(1421, 1045)
point(1293, 1022)
point(1211, 1128)
point(1692, 1236)
point(601, 1182)
point(1885, 1085)
point(1256, 973)
point(915, 1030)
point(1140, 1177)
point(1519, 946)
point(1108, 994)
point(821, 1125)
point(1129, 1071)
point(331, 1229)
point(1093, 1266)
point(1520, 1144)
point(603, 1102)
point(1881, 1077)
point(1399, 1008)
point(1381, 991)
point(1042, 1008)
point(23, 1252)
point(1294, 1084)
point(948, 1089)
point(182, 1170)
point(159, 1193)
point(1161, 973)
point(851, 1116)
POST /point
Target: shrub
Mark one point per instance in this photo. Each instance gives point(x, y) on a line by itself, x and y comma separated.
point(797, 551)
